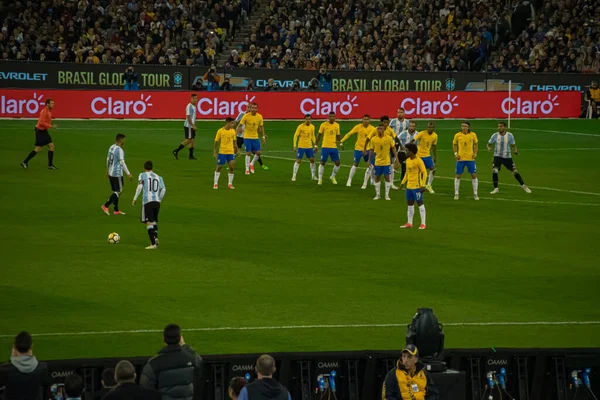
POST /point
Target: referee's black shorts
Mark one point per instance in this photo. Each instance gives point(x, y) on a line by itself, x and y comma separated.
point(116, 183)
point(240, 141)
point(42, 137)
point(507, 162)
point(190, 133)
point(150, 211)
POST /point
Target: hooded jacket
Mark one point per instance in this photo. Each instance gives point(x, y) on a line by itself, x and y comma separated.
point(400, 384)
point(24, 378)
point(264, 389)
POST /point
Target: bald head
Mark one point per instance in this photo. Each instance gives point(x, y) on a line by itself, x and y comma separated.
point(124, 372)
point(265, 365)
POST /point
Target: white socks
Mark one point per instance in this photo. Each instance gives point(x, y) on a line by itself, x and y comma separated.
point(336, 169)
point(430, 179)
point(247, 163)
point(475, 185)
point(456, 185)
point(352, 172)
point(321, 170)
point(296, 167)
point(253, 160)
point(312, 170)
point(388, 185)
point(392, 174)
point(230, 178)
point(410, 214)
point(378, 189)
point(367, 176)
point(422, 212)
point(372, 172)
point(216, 180)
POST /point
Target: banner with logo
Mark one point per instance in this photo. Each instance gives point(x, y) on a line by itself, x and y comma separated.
point(217, 105)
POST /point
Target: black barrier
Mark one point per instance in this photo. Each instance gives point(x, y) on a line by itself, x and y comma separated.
point(47, 75)
point(531, 374)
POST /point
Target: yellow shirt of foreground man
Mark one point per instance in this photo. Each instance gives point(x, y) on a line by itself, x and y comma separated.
point(465, 143)
point(252, 123)
point(362, 133)
point(306, 133)
point(227, 138)
point(382, 146)
point(329, 132)
point(425, 142)
point(415, 173)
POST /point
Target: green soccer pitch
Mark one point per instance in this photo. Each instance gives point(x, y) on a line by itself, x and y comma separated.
point(294, 256)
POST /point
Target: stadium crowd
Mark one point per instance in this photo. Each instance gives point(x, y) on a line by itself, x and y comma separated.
point(117, 31)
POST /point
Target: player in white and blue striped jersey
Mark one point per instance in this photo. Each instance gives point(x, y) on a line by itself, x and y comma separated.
point(189, 128)
point(402, 139)
point(153, 188)
point(503, 144)
point(115, 166)
point(239, 132)
point(399, 124)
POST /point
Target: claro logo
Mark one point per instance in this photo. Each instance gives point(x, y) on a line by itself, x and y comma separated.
point(215, 106)
point(241, 367)
point(21, 106)
point(318, 107)
point(108, 106)
point(519, 106)
point(426, 107)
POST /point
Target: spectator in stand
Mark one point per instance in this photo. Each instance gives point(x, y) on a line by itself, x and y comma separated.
point(226, 86)
point(236, 385)
point(313, 86)
point(173, 371)
point(592, 96)
point(108, 382)
point(409, 378)
point(295, 86)
point(126, 389)
point(324, 78)
point(250, 87)
point(212, 79)
point(131, 79)
point(271, 86)
point(74, 387)
point(265, 387)
point(24, 378)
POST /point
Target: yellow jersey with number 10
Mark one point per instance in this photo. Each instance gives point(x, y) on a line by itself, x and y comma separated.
point(330, 133)
point(252, 123)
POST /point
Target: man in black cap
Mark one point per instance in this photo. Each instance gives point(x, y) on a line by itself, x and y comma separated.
point(409, 380)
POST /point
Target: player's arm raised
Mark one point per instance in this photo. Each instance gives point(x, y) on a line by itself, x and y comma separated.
point(347, 136)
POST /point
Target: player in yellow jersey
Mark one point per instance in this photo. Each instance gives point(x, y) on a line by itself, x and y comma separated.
point(385, 120)
point(361, 131)
point(304, 144)
point(254, 124)
point(382, 145)
point(415, 185)
point(427, 145)
point(465, 150)
point(225, 142)
point(330, 132)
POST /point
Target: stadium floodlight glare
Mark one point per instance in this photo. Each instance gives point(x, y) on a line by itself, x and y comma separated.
point(426, 333)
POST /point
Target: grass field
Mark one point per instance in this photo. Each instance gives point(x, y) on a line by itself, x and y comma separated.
point(276, 253)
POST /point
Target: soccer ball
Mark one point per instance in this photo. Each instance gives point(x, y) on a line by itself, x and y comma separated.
point(114, 238)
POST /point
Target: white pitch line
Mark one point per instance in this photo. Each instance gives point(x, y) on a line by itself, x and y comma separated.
point(562, 203)
point(320, 326)
point(451, 178)
point(564, 133)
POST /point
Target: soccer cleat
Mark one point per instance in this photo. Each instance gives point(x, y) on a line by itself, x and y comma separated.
point(423, 226)
point(156, 242)
point(363, 187)
point(193, 158)
point(24, 165)
point(429, 188)
point(252, 169)
point(247, 172)
point(387, 198)
point(265, 168)
point(320, 182)
point(348, 184)
point(495, 191)
point(105, 209)
point(394, 187)
point(230, 186)
point(406, 225)
point(52, 167)
point(293, 179)
point(475, 197)
point(118, 213)
point(526, 189)
point(151, 247)
point(333, 180)
point(377, 198)
point(176, 154)
point(314, 178)
point(456, 196)
point(215, 186)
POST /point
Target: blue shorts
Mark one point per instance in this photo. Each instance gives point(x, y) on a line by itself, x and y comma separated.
point(382, 170)
point(358, 154)
point(428, 161)
point(223, 159)
point(252, 145)
point(327, 153)
point(309, 153)
point(460, 167)
point(414, 195)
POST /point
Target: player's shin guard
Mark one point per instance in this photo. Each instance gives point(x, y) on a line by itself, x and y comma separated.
point(247, 163)
point(423, 213)
point(410, 213)
point(388, 185)
point(336, 169)
point(495, 179)
point(321, 171)
point(430, 178)
point(30, 156)
point(50, 158)
point(475, 186)
point(456, 185)
point(151, 234)
point(312, 170)
point(296, 167)
point(253, 160)
point(392, 173)
point(116, 201)
point(518, 178)
point(372, 174)
point(352, 172)
point(230, 179)
point(367, 176)
point(216, 180)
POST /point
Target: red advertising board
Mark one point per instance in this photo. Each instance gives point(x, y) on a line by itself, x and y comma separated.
point(21, 103)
